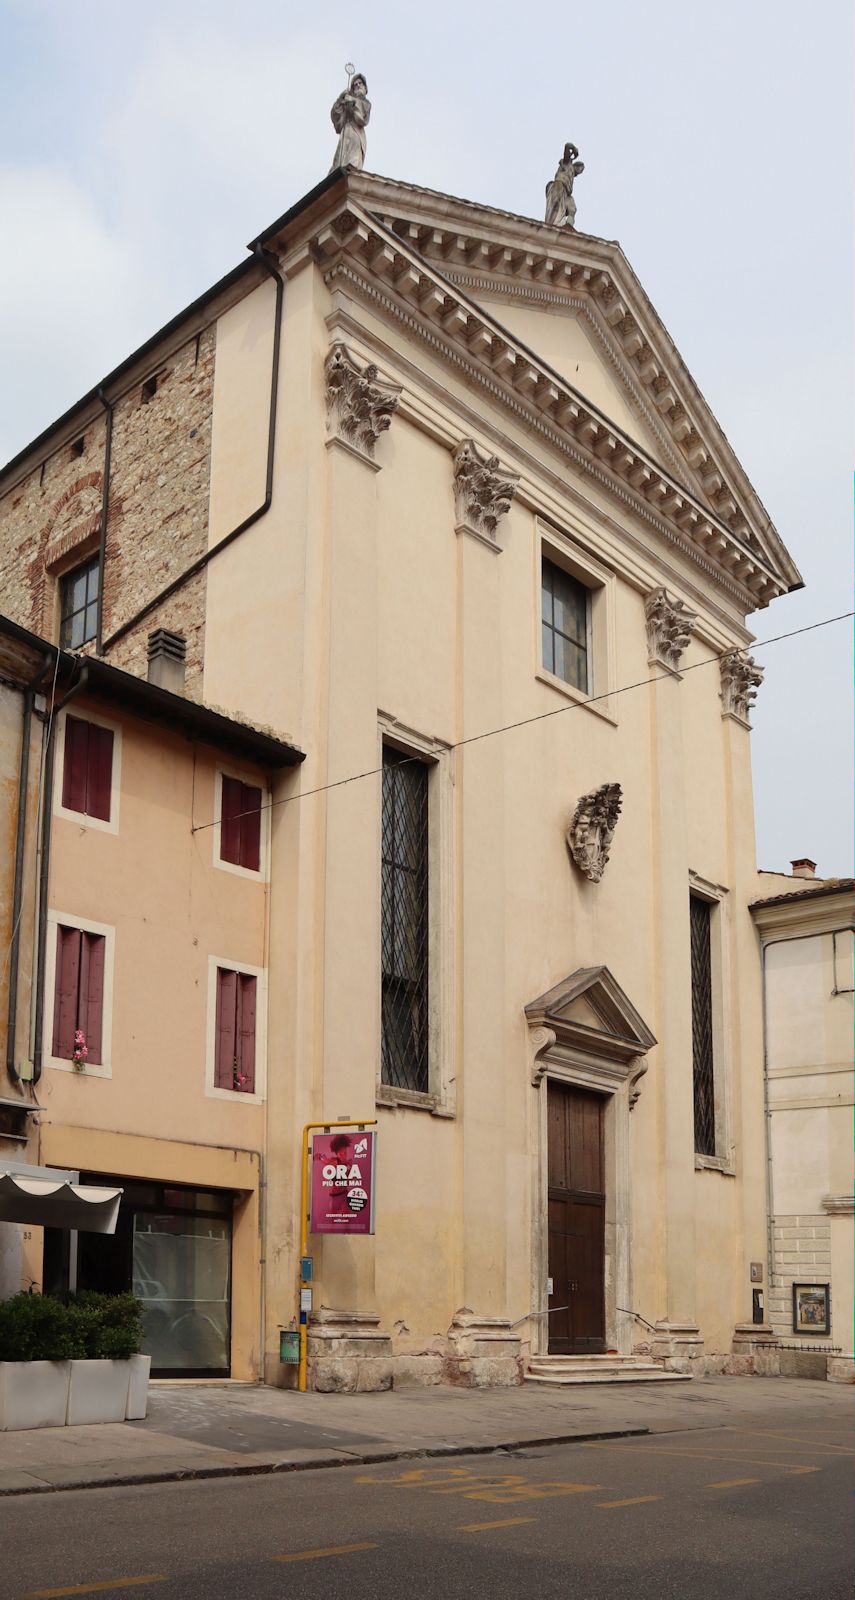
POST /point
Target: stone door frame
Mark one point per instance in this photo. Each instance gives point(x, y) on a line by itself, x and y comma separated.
point(610, 1060)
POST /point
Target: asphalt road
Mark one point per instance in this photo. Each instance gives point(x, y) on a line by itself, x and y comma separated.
point(711, 1514)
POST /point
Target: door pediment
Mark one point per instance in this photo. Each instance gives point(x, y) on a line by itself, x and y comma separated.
point(588, 1027)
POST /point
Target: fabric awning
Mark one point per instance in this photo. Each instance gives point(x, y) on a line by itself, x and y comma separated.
point(58, 1203)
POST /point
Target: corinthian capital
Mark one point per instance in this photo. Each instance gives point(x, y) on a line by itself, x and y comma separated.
point(740, 680)
point(360, 406)
point(482, 492)
point(669, 628)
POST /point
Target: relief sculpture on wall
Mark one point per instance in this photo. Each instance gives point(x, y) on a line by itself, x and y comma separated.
point(592, 829)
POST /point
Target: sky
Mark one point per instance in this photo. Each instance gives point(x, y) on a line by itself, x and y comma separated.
point(142, 146)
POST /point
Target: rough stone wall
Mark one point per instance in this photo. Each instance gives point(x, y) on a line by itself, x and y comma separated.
point(158, 513)
point(801, 1254)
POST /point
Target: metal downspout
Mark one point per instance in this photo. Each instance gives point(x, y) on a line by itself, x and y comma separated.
point(44, 871)
point(18, 890)
point(265, 259)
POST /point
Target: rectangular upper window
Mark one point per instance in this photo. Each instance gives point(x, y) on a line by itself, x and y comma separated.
point(240, 826)
point(404, 922)
point(78, 605)
point(87, 772)
point(703, 1071)
point(78, 993)
point(564, 625)
point(234, 1047)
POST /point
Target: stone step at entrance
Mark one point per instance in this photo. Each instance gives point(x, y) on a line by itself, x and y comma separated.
point(567, 1370)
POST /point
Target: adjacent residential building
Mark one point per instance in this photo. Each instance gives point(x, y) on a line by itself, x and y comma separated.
point(135, 1042)
point(427, 489)
point(806, 926)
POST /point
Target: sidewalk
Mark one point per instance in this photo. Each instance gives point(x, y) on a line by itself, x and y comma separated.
point(200, 1431)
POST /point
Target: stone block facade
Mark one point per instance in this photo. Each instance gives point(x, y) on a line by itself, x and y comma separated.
point(801, 1253)
point(157, 518)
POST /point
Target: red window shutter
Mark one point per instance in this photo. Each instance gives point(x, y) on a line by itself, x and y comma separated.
point(230, 826)
point(90, 1011)
point(250, 854)
point(100, 774)
point(66, 991)
point(75, 769)
point(246, 1032)
point(226, 1042)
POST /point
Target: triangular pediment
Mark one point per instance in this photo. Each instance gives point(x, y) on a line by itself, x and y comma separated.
point(572, 342)
point(420, 260)
point(507, 263)
point(590, 1010)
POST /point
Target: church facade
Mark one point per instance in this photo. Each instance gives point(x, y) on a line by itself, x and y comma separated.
point(426, 489)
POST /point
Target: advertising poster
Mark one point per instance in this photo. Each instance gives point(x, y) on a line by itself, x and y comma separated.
point(342, 1186)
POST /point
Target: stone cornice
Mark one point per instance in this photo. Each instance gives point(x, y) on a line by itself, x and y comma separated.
point(819, 914)
point(532, 295)
point(487, 242)
point(356, 251)
point(708, 548)
point(560, 500)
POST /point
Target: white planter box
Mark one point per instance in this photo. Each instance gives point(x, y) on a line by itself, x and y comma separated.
point(98, 1391)
point(33, 1394)
point(138, 1371)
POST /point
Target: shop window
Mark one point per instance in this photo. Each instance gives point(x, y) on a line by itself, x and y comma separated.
point(240, 824)
point(79, 593)
point(87, 774)
point(79, 994)
point(234, 1051)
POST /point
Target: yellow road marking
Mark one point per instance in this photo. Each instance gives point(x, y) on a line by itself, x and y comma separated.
point(313, 1555)
point(638, 1500)
point(96, 1588)
point(699, 1455)
point(508, 1522)
point(532, 1491)
point(732, 1483)
point(819, 1446)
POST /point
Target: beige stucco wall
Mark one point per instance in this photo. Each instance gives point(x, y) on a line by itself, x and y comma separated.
point(809, 1014)
point(354, 600)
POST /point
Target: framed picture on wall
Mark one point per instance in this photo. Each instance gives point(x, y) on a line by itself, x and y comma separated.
point(810, 1308)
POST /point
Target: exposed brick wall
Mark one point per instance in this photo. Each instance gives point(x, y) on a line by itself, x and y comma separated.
point(158, 519)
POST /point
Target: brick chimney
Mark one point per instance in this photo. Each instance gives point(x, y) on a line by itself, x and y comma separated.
point(803, 867)
point(167, 658)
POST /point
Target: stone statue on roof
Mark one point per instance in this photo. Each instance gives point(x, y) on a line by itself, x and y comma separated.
point(350, 115)
point(560, 205)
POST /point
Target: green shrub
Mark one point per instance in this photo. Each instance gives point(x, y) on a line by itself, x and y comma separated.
point(38, 1327)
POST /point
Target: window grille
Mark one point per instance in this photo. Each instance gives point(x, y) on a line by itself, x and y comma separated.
point(702, 1026)
point(78, 605)
point(564, 626)
point(404, 922)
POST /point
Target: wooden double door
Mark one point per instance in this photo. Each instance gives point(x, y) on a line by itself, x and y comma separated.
point(577, 1217)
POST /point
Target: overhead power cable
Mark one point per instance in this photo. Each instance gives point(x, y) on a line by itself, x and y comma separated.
point(525, 722)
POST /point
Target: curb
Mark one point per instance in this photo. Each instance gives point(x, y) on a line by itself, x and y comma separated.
point(261, 1469)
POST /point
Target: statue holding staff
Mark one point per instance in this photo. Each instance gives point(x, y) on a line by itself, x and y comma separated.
point(350, 115)
point(560, 205)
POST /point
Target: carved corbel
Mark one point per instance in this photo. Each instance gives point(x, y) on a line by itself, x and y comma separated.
point(669, 629)
point(543, 1040)
point(634, 1082)
point(740, 679)
point(482, 493)
point(591, 831)
point(360, 406)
